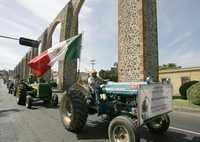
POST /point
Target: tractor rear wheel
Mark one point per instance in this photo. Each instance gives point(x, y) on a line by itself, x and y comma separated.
point(15, 91)
point(73, 111)
point(21, 96)
point(54, 100)
point(159, 125)
point(123, 129)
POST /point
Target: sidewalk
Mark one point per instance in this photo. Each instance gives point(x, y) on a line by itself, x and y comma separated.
point(186, 109)
point(185, 106)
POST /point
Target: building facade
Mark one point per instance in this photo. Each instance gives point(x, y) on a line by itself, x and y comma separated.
point(179, 76)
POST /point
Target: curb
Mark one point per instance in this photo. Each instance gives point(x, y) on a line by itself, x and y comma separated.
point(186, 109)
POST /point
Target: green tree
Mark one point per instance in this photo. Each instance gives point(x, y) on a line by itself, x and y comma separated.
point(169, 66)
point(183, 89)
point(109, 74)
point(193, 94)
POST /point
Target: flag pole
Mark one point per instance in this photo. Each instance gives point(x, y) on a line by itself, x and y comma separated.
point(78, 69)
point(78, 60)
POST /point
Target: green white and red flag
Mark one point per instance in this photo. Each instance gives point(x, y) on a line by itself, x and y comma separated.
point(66, 50)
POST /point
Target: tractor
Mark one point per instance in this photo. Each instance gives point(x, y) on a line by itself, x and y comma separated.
point(129, 105)
point(31, 90)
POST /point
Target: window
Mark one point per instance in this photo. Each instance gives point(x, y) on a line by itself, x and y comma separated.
point(166, 80)
point(163, 80)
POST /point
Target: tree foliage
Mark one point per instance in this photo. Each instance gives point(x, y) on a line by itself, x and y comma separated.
point(194, 94)
point(169, 66)
point(183, 89)
point(109, 74)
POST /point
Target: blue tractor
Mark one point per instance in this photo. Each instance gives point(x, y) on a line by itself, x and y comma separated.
point(130, 106)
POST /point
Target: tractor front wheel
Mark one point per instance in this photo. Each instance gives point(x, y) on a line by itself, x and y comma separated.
point(21, 96)
point(159, 125)
point(28, 101)
point(123, 129)
point(73, 111)
point(15, 91)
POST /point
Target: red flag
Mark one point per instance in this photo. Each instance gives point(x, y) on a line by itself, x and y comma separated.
point(69, 49)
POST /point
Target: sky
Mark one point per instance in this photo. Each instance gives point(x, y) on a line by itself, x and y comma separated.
point(178, 30)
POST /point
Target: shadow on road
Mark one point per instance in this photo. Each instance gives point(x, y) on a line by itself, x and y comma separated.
point(39, 104)
point(6, 112)
point(94, 130)
point(170, 136)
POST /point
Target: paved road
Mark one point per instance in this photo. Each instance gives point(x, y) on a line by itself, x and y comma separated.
point(42, 124)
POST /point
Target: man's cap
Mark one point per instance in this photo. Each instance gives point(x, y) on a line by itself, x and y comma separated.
point(93, 71)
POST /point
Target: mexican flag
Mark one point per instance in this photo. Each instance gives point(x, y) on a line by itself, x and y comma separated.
point(66, 50)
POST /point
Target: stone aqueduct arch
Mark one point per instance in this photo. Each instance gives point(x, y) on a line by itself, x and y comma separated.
point(137, 41)
point(68, 17)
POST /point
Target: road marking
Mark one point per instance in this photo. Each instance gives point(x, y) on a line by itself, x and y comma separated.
point(183, 130)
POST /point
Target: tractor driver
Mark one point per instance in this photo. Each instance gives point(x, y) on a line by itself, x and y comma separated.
point(94, 83)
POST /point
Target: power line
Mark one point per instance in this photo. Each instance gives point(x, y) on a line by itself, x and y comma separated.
point(8, 37)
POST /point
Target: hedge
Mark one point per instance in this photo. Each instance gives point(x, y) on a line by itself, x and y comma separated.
point(183, 89)
point(193, 94)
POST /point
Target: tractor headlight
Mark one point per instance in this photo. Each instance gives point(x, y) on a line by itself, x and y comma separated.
point(149, 80)
point(103, 97)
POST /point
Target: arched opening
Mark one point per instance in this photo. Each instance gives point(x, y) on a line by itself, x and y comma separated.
point(100, 39)
point(55, 39)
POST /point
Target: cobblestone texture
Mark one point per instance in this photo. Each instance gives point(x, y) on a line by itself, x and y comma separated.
point(137, 43)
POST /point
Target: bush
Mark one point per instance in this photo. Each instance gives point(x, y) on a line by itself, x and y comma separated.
point(194, 94)
point(183, 89)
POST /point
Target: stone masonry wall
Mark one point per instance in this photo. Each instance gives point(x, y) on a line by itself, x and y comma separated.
point(68, 17)
point(137, 43)
point(151, 65)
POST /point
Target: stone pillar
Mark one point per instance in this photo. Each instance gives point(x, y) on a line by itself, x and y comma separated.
point(21, 69)
point(26, 66)
point(67, 71)
point(65, 34)
point(137, 43)
point(18, 71)
point(29, 58)
point(15, 71)
point(33, 53)
point(44, 46)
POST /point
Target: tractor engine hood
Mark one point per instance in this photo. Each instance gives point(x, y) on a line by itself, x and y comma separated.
point(119, 88)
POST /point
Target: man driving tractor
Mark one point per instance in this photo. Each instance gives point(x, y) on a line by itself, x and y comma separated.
point(94, 83)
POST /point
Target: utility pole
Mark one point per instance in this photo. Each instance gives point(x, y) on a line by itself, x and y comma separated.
point(93, 63)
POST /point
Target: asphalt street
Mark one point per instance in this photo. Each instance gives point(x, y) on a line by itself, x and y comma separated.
point(42, 124)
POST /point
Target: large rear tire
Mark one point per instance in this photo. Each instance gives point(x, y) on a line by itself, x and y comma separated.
point(54, 100)
point(159, 125)
point(73, 111)
point(123, 129)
